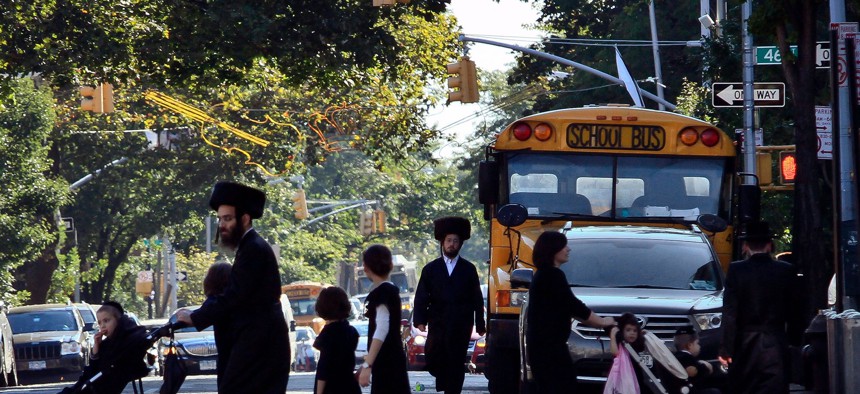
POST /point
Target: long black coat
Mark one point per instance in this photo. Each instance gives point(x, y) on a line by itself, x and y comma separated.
point(388, 374)
point(337, 343)
point(551, 307)
point(450, 305)
point(758, 321)
point(260, 351)
point(120, 359)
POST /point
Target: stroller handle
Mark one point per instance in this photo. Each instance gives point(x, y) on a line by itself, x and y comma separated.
point(165, 330)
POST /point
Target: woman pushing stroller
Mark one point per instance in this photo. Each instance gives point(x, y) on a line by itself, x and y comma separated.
point(117, 356)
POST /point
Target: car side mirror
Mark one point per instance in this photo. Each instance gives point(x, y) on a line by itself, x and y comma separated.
point(292, 325)
point(88, 326)
point(521, 278)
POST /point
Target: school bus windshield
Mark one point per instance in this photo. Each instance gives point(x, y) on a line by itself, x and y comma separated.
point(618, 187)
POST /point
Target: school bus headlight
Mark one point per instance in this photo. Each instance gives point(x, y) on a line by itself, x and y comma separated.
point(689, 136)
point(543, 132)
point(522, 131)
point(709, 321)
point(710, 137)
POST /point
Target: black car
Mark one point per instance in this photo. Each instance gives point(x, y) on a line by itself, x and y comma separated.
point(195, 348)
point(669, 278)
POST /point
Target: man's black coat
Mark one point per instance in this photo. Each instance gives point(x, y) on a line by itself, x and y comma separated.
point(450, 305)
point(760, 317)
point(260, 351)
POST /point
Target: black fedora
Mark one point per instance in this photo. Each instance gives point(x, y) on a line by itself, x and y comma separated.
point(756, 231)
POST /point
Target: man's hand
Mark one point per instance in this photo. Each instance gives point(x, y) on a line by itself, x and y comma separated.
point(725, 361)
point(184, 315)
point(421, 327)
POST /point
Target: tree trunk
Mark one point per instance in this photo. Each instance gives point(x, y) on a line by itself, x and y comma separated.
point(37, 276)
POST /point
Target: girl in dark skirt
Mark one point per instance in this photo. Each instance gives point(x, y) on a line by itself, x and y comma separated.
point(336, 344)
point(385, 361)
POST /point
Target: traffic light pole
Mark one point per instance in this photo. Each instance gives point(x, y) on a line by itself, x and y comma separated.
point(571, 63)
point(355, 204)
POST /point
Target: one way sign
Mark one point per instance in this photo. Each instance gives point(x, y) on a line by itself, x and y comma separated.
point(731, 94)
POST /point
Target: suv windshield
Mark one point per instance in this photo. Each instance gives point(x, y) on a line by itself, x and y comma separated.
point(651, 263)
point(43, 321)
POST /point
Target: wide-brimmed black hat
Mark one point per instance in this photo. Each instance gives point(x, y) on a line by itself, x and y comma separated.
point(246, 198)
point(452, 225)
point(757, 231)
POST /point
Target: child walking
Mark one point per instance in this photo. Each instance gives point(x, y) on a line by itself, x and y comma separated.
point(336, 343)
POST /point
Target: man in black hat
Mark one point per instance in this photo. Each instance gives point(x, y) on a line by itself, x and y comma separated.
point(449, 300)
point(250, 308)
point(758, 320)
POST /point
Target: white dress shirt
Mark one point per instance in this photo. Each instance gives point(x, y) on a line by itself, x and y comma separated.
point(450, 263)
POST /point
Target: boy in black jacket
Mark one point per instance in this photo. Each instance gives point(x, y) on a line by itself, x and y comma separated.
point(688, 348)
point(118, 353)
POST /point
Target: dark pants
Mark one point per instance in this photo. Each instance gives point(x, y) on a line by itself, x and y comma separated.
point(446, 359)
point(553, 370)
point(760, 364)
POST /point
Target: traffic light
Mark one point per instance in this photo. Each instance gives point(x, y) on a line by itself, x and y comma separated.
point(787, 166)
point(379, 221)
point(365, 222)
point(464, 81)
point(97, 99)
point(300, 205)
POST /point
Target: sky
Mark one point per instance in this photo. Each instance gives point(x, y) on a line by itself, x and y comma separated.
point(482, 17)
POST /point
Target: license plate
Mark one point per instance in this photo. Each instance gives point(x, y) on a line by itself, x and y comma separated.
point(648, 360)
point(36, 365)
point(207, 365)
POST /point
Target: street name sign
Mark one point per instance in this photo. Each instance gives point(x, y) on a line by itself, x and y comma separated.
point(771, 56)
point(731, 94)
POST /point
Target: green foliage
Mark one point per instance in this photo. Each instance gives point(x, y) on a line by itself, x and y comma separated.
point(195, 264)
point(64, 277)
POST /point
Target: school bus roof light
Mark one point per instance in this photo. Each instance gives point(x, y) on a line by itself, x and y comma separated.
point(543, 132)
point(522, 131)
point(710, 137)
point(689, 136)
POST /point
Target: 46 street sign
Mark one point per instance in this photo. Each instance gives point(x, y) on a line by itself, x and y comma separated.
point(731, 94)
point(770, 55)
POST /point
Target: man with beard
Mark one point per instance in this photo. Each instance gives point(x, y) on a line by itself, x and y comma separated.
point(449, 300)
point(249, 309)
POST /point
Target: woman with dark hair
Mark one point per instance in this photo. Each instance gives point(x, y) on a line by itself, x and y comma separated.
point(216, 281)
point(385, 360)
point(551, 306)
point(336, 344)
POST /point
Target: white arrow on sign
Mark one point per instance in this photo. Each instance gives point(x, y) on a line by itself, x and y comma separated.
point(731, 94)
point(181, 276)
point(821, 54)
point(765, 94)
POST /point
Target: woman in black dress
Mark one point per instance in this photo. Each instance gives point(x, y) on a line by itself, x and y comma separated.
point(551, 306)
point(336, 344)
point(385, 360)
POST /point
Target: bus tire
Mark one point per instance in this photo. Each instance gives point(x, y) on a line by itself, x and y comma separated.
point(503, 374)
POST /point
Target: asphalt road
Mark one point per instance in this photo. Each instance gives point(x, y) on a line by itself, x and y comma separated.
point(300, 382)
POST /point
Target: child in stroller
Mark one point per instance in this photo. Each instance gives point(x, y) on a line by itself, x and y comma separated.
point(642, 360)
point(117, 356)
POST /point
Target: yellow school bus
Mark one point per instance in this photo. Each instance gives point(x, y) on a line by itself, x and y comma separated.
point(594, 166)
point(303, 299)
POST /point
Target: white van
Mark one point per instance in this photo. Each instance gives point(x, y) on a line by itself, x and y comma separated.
point(291, 325)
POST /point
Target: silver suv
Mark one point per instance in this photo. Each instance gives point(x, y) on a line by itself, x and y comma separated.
point(668, 277)
point(49, 337)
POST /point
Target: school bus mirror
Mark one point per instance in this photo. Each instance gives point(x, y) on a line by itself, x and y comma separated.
point(521, 278)
point(512, 215)
point(749, 203)
point(488, 182)
point(764, 168)
point(712, 223)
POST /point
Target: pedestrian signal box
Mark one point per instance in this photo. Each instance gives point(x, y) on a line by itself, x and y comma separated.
point(787, 166)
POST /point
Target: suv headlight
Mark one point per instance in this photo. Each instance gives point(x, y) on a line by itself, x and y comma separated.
point(70, 348)
point(709, 321)
point(420, 340)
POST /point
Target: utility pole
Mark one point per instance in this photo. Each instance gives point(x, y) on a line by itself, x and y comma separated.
point(749, 109)
point(655, 49)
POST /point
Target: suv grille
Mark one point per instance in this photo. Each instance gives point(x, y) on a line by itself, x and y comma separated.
point(201, 349)
point(663, 326)
point(37, 351)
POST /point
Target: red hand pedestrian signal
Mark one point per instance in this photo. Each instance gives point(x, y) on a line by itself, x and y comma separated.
point(787, 166)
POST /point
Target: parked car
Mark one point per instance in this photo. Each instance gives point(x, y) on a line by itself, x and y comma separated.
point(49, 337)
point(306, 356)
point(196, 349)
point(362, 326)
point(479, 358)
point(8, 369)
point(668, 277)
point(291, 325)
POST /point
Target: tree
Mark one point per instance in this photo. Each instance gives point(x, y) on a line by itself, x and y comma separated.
point(29, 207)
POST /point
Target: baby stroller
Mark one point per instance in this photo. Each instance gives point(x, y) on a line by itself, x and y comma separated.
point(174, 370)
point(666, 364)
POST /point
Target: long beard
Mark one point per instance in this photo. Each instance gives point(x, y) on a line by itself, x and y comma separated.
point(231, 241)
point(452, 254)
